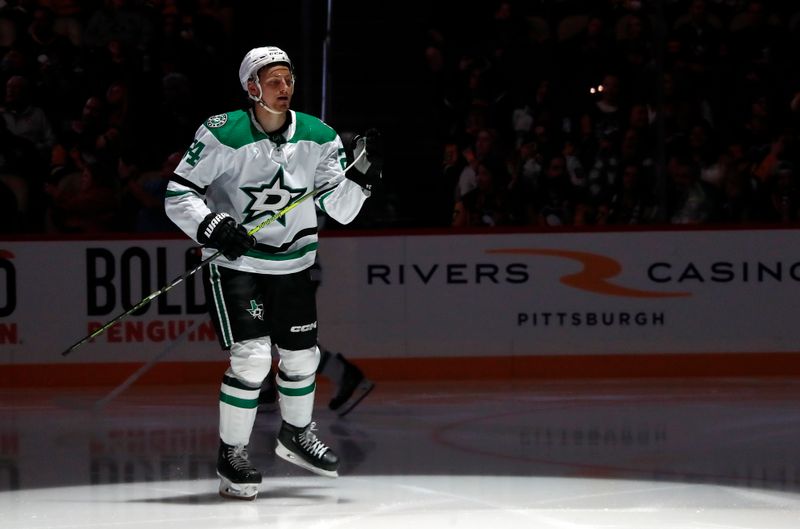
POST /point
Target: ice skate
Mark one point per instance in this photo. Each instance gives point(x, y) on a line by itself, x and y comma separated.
point(238, 478)
point(301, 447)
point(353, 387)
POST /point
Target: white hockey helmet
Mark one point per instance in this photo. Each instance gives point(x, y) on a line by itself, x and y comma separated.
point(258, 58)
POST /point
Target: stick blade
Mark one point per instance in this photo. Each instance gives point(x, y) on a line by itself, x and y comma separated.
point(75, 346)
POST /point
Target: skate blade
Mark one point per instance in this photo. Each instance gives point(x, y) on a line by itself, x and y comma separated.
point(363, 389)
point(237, 491)
point(287, 455)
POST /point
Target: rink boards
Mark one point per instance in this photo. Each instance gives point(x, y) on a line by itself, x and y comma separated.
point(627, 303)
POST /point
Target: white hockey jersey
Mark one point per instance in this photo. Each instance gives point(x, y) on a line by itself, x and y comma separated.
point(233, 166)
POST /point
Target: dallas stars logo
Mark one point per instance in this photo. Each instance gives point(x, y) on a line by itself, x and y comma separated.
point(256, 310)
point(270, 198)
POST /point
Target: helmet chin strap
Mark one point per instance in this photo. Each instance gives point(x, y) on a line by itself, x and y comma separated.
point(263, 105)
point(260, 100)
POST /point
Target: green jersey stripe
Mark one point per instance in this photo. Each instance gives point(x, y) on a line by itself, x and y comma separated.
point(300, 252)
point(219, 303)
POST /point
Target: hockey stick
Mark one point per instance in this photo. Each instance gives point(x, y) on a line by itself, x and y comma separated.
point(194, 270)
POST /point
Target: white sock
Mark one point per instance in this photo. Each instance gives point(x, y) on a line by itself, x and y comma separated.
point(238, 404)
point(296, 399)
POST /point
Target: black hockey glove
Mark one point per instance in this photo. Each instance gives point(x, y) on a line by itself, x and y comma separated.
point(373, 142)
point(366, 171)
point(220, 231)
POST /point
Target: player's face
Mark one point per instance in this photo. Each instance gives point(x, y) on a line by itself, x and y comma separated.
point(277, 86)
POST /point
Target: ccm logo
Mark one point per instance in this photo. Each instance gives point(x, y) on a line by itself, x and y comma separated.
point(303, 328)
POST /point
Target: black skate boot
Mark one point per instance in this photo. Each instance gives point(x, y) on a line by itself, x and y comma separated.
point(238, 477)
point(301, 447)
point(352, 388)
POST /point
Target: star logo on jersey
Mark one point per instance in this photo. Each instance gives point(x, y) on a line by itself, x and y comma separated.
point(256, 310)
point(215, 122)
point(270, 198)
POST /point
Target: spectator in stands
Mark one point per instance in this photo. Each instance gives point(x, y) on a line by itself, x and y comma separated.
point(484, 149)
point(554, 197)
point(736, 202)
point(25, 119)
point(632, 201)
point(537, 110)
point(445, 187)
point(89, 138)
point(118, 105)
point(131, 116)
point(93, 122)
point(143, 194)
point(67, 19)
point(20, 174)
point(776, 197)
point(608, 111)
point(85, 201)
point(488, 202)
point(641, 119)
point(691, 201)
point(603, 175)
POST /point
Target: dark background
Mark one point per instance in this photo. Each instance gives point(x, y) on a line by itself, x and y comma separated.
point(184, 68)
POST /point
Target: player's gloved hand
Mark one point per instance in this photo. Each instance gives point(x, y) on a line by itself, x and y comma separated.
point(366, 171)
point(220, 231)
point(373, 143)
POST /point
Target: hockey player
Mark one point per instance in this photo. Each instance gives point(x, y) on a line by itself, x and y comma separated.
point(242, 167)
